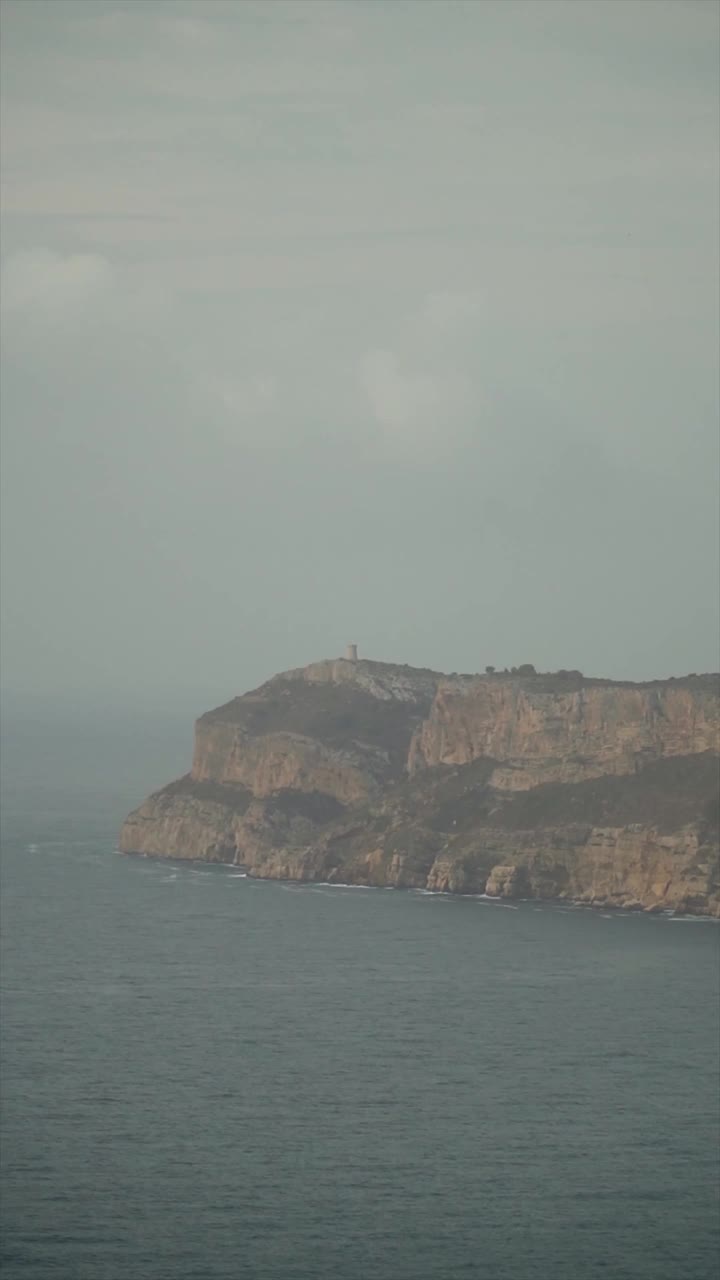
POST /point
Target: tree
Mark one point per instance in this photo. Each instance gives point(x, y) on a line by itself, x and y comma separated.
point(489, 671)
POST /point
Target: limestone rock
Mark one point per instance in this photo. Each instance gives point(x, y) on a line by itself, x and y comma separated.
point(516, 785)
point(505, 882)
point(538, 732)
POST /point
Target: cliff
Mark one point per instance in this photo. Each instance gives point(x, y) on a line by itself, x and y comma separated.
point(515, 785)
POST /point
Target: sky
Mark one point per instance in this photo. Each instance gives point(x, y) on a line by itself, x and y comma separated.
point(361, 320)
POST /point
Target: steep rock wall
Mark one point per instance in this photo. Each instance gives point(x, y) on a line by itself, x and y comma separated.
point(285, 761)
point(546, 735)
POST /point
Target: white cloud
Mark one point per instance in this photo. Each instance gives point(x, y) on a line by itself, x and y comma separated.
point(245, 407)
point(399, 398)
point(423, 390)
point(41, 281)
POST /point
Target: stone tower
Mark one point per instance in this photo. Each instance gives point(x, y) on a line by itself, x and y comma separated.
point(351, 653)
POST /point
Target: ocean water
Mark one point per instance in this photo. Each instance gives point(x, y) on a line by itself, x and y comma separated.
point(213, 1077)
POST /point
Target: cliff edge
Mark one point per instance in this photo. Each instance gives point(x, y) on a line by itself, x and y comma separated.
point(514, 784)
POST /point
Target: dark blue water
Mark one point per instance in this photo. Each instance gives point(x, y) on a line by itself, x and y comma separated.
point(210, 1077)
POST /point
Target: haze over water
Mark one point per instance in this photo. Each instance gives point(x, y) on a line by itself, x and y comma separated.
point(206, 1076)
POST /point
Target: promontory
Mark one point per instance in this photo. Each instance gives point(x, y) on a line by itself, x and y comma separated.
point(515, 784)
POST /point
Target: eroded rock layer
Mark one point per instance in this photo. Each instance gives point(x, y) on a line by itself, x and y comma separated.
point(551, 786)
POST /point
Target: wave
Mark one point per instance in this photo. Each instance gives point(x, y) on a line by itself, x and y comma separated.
point(328, 884)
point(492, 899)
point(694, 919)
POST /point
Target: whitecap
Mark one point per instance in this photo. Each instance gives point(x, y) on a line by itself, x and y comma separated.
point(337, 884)
point(694, 920)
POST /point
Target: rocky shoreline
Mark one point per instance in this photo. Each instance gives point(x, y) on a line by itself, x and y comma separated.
point(599, 905)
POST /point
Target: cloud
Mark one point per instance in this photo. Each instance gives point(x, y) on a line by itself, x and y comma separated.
point(400, 399)
point(41, 281)
point(245, 409)
point(424, 390)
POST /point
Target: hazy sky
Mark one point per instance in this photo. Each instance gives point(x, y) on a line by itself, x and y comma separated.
point(357, 320)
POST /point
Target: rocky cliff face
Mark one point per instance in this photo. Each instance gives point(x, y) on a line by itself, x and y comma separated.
point(518, 786)
point(540, 732)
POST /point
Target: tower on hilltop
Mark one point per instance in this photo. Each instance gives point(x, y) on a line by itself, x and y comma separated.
point(351, 653)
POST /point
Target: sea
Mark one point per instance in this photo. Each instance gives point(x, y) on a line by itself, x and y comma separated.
point(210, 1077)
